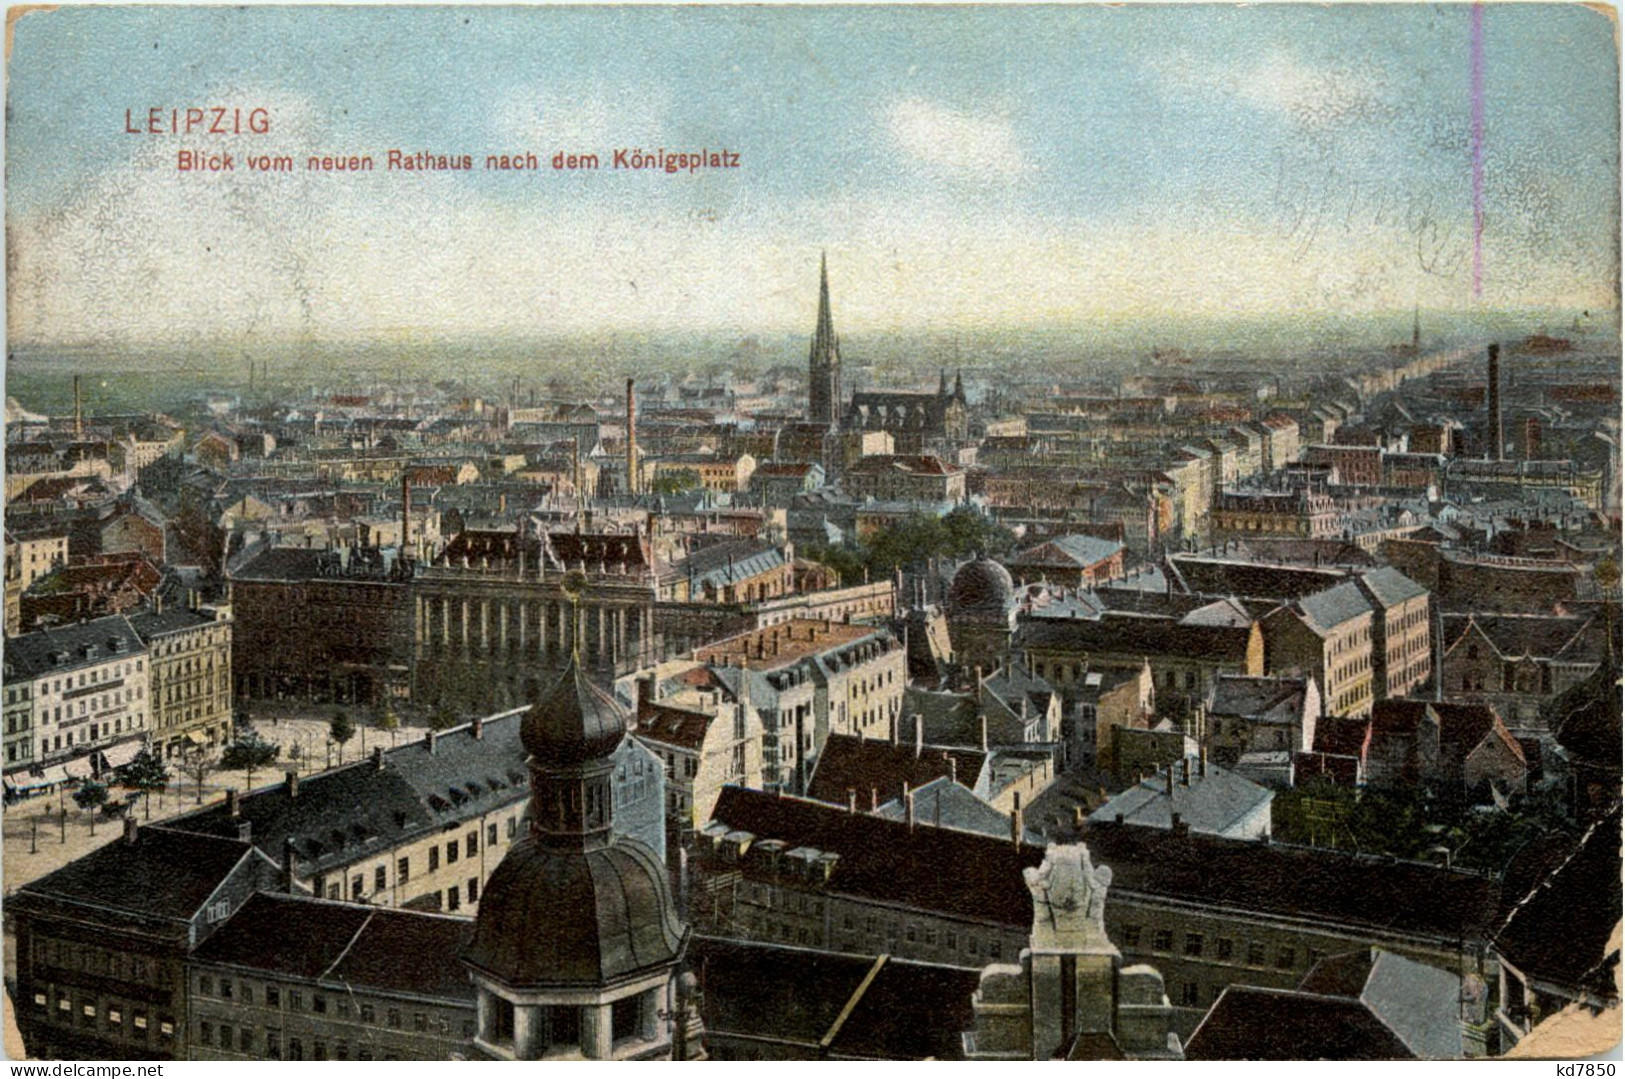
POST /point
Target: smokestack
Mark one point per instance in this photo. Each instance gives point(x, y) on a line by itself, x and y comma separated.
point(287, 865)
point(631, 437)
point(292, 784)
point(1495, 448)
point(78, 416)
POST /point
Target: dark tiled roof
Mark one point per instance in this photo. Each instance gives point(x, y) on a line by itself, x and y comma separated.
point(83, 644)
point(670, 726)
point(851, 763)
point(1248, 1023)
point(908, 1011)
point(1559, 932)
point(1279, 699)
point(376, 948)
point(889, 862)
point(1116, 634)
point(358, 810)
point(163, 873)
point(1365, 892)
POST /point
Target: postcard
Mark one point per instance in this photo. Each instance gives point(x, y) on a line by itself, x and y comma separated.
point(900, 532)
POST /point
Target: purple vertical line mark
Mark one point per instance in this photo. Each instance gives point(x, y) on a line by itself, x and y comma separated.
point(1476, 92)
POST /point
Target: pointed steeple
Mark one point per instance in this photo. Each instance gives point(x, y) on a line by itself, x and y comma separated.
point(959, 386)
point(942, 382)
point(824, 337)
point(824, 359)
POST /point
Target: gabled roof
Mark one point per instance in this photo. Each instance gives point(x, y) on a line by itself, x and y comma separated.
point(1071, 551)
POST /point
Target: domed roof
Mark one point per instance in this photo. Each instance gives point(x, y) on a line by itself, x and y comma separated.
point(555, 917)
point(574, 722)
point(981, 587)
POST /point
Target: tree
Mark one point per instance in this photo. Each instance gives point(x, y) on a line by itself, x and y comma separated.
point(146, 772)
point(197, 763)
point(388, 721)
point(90, 794)
point(247, 753)
point(341, 730)
point(441, 718)
point(676, 482)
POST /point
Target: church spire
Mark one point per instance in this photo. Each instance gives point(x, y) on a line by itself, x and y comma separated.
point(824, 337)
point(824, 359)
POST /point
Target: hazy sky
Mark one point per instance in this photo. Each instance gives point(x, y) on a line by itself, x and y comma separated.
point(986, 166)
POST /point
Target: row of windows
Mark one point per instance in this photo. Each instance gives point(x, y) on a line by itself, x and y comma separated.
point(1223, 949)
point(112, 1017)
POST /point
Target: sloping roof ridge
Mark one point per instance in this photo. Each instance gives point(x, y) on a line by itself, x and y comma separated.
point(1546, 880)
point(362, 928)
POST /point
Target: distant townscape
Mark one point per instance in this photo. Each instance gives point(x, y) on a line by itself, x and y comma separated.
point(1204, 712)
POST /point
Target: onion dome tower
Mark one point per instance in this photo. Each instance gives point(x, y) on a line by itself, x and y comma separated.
point(577, 943)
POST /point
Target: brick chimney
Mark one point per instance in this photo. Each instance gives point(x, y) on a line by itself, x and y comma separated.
point(919, 736)
point(292, 783)
point(428, 741)
point(131, 828)
point(477, 728)
point(378, 758)
point(234, 804)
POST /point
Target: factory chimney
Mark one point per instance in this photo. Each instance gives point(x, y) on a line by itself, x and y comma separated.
point(631, 438)
point(78, 415)
point(406, 514)
point(1494, 447)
